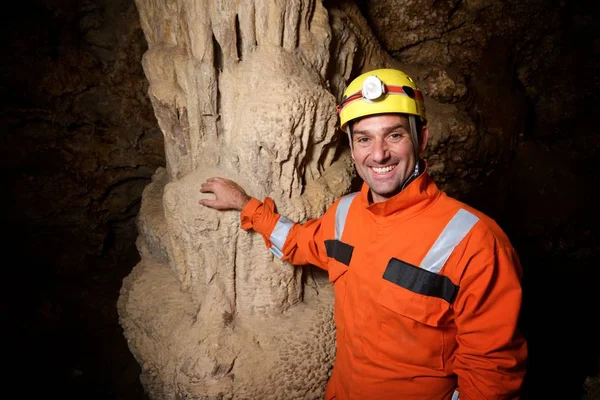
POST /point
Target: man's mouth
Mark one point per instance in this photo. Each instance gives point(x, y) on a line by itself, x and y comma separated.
point(383, 170)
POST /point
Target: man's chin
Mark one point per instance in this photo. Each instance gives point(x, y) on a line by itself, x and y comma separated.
point(385, 192)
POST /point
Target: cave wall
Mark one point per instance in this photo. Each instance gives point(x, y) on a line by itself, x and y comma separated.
point(514, 87)
point(80, 142)
point(530, 68)
point(474, 61)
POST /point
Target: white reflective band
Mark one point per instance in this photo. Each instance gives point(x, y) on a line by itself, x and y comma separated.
point(455, 395)
point(279, 235)
point(341, 213)
point(456, 230)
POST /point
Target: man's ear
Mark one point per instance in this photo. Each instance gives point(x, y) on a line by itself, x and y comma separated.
point(423, 137)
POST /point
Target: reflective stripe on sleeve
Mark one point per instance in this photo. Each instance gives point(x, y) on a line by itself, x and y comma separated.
point(341, 213)
point(456, 230)
point(455, 395)
point(279, 235)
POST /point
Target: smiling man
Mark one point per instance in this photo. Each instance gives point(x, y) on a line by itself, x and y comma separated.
point(427, 289)
point(383, 153)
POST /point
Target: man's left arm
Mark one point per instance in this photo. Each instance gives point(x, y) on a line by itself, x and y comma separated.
point(491, 354)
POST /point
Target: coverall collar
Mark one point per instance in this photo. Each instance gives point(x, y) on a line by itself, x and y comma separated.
point(420, 194)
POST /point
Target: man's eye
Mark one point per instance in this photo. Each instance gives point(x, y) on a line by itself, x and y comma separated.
point(362, 140)
point(396, 136)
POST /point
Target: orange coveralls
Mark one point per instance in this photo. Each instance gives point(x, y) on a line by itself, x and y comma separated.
point(427, 294)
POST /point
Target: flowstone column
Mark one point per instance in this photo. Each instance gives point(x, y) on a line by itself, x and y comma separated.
point(242, 90)
point(246, 89)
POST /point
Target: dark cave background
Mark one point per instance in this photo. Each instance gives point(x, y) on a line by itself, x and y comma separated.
point(80, 142)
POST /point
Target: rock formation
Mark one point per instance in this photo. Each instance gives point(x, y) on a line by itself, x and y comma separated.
point(247, 90)
point(240, 90)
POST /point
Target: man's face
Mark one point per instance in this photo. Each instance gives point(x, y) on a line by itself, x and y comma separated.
point(383, 153)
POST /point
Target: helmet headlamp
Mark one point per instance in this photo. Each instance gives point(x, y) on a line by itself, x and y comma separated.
point(372, 88)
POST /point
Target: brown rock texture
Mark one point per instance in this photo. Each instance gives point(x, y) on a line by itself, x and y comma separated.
point(512, 91)
point(247, 90)
point(80, 142)
point(240, 90)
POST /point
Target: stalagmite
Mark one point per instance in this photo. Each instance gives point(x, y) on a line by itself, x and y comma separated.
point(242, 90)
point(247, 90)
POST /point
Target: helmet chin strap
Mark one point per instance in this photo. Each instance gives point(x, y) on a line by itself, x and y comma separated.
point(412, 122)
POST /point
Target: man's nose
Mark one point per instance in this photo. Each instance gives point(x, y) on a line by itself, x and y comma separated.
point(380, 151)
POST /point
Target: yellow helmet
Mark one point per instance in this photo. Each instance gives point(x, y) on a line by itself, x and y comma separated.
point(379, 92)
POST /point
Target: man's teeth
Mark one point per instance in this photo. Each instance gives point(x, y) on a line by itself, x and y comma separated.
point(383, 170)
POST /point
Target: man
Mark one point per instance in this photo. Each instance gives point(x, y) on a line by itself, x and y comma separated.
point(427, 289)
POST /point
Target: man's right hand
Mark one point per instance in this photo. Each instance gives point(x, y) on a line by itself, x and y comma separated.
point(228, 194)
